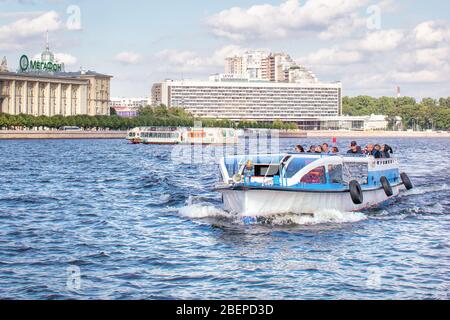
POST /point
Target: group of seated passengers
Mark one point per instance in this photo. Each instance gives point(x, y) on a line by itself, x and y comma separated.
point(324, 148)
point(376, 150)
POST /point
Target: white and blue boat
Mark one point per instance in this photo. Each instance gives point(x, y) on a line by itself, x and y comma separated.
point(306, 183)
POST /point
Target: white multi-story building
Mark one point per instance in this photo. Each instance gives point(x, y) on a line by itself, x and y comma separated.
point(300, 74)
point(264, 66)
point(353, 123)
point(258, 101)
point(234, 65)
point(128, 107)
point(129, 102)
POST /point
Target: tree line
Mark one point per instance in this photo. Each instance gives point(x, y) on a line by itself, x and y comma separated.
point(147, 116)
point(427, 114)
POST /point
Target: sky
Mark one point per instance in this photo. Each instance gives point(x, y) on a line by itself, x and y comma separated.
point(372, 46)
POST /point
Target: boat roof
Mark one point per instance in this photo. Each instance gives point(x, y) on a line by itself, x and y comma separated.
point(276, 158)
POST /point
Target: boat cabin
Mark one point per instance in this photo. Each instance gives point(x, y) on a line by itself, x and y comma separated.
point(162, 135)
point(308, 171)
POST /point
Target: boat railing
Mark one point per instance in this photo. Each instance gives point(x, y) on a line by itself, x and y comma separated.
point(386, 161)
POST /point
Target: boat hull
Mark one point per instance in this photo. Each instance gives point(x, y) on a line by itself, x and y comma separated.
point(160, 143)
point(135, 141)
point(267, 202)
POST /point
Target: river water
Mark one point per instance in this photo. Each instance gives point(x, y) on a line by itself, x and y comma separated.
point(103, 219)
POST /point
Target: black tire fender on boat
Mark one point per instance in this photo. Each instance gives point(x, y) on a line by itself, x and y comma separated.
point(356, 192)
point(406, 181)
point(386, 186)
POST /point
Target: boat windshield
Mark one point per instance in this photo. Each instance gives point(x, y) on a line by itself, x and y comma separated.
point(296, 165)
point(234, 164)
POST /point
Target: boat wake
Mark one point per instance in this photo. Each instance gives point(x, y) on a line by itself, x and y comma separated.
point(420, 190)
point(199, 211)
point(206, 210)
point(320, 217)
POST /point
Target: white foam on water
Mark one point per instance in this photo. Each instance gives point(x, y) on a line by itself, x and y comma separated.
point(198, 211)
point(320, 217)
point(437, 208)
point(424, 190)
point(201, 211)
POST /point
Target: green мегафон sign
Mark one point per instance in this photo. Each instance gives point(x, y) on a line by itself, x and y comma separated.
point(31, 65)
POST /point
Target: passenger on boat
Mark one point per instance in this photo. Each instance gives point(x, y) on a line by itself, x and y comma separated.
point(335, 150)
point(318, 149)
point(354, 148)
point(386, 151)
point(368, 149)
point(378, 153)
point(248, 171)
point(325, 148)
point(312, 149)
point(299, 148)
point(371, 150)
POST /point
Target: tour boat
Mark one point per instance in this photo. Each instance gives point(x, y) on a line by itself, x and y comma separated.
point(303, 183)
point(182, 135)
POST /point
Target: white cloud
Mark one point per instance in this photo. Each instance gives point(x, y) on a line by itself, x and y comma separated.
point(435, 56)
point(378, 61)
point(67, 59)
point(30, 27)
point(332, 56)
point(20, 14)
point(429, 57)
point(128, 57)
point(267, 21)
point(357, 50)
point(420, 76)
point(190, 61)
point(179, 57)
point(380, 40)
point(17, 35)
point(431, 32)
point(343, 27)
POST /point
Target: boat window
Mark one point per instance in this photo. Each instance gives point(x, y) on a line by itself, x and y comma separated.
point(296, 165)
point(196, 134)
point(316, 176)
point(335, 173)
point(355, 171)
point(266, 170)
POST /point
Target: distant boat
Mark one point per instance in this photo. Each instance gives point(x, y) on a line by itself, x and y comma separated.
point(182, 135)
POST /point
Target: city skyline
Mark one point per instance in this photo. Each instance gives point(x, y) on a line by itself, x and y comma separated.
point(371, 46)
